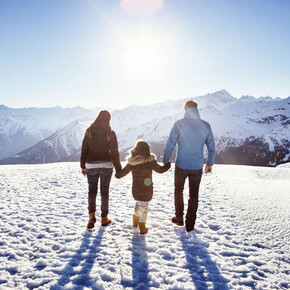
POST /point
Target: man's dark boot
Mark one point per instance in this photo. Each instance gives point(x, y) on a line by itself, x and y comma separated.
point(176, 221)
point(188, 229)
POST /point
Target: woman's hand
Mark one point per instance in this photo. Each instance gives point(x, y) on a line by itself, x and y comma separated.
point(84, 171)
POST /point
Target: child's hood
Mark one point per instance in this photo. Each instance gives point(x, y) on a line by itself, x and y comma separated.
point(140, 159)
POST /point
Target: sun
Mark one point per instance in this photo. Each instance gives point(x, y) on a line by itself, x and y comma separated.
point(142, 52)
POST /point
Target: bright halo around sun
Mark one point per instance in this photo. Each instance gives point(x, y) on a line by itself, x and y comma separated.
point(141, 7)
point(142, 52)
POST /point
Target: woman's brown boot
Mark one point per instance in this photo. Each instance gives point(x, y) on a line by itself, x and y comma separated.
point(105, 221)
point(92, 220)
point(142, 228)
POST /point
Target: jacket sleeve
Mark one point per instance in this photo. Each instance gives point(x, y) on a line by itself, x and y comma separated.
point(170, 144)
point(115, 152)
point(123, 172)
point(84, 152)
point(210, 144)
point(160, 169)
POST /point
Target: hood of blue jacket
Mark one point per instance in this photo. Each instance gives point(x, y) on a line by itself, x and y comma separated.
point(190, 134)
point(192, 113)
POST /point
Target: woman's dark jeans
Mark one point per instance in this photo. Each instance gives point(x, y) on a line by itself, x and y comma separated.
point(93, 175)
point(194, 177)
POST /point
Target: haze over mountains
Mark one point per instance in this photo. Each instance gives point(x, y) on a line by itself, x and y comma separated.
point(247, 130)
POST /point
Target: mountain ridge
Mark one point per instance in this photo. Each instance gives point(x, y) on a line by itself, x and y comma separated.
point(237, 124)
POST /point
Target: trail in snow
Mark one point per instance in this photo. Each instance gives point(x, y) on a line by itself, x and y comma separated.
point(241, 241)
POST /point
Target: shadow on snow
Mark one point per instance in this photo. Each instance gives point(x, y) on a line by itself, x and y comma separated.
point(200, 265)
point(203, 270)
point(139, 264)
point(85, 255)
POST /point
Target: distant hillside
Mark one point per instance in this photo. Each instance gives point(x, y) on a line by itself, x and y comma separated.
point(250, 131)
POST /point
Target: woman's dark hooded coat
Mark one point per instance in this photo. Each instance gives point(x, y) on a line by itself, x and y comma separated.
point(100, 144)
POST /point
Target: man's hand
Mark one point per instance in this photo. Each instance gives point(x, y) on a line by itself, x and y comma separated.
point(84, 171)
point(208, 169)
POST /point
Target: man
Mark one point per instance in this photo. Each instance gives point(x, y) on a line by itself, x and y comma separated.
point(190, 134)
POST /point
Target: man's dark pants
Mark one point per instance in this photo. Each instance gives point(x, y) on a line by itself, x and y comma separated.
point(93, 175)
point(194, 177)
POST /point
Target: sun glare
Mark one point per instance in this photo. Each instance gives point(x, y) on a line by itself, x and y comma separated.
point(141, 7)
point(142, 52)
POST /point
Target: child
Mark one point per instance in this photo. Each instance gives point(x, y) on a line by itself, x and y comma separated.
point(141, 163)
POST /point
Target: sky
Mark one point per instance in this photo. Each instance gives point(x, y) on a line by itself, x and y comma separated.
point(113, 54)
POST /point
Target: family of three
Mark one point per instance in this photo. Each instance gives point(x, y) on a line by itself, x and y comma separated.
point(100, 154)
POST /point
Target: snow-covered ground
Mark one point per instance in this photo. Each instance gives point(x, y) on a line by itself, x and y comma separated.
point(241, 242)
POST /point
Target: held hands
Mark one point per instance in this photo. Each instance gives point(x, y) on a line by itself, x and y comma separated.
point(118, 174)
point(208, 169)
point(167, 165)
point(84, 172)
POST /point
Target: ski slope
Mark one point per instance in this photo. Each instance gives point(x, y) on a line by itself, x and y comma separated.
point(241, 241)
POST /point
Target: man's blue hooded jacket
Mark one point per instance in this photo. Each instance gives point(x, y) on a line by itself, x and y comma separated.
point(190, 134)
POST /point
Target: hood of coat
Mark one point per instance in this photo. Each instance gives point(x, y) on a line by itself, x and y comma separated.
point(139, 159)
point(192, 113)
point(101, 128)
point(98, 129)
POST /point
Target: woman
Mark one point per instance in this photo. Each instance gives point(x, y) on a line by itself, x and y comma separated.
point(99, 155)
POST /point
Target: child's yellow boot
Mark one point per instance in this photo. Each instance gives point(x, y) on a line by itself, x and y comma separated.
point(142, 228)
point(135, 221)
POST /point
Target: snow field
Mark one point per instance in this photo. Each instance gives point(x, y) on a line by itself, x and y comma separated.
point(241, 241)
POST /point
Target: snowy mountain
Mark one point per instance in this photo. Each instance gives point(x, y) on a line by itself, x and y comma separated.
point(238, 124)
point(247, 130)
point(61, 146)
point(22, 128)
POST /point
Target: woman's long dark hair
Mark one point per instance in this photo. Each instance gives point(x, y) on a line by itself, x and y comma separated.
point(103, 118)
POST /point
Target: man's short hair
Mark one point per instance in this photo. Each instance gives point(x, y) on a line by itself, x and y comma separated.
point(190, 104)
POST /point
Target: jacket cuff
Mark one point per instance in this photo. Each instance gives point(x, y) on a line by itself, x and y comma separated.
point(117, 165)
